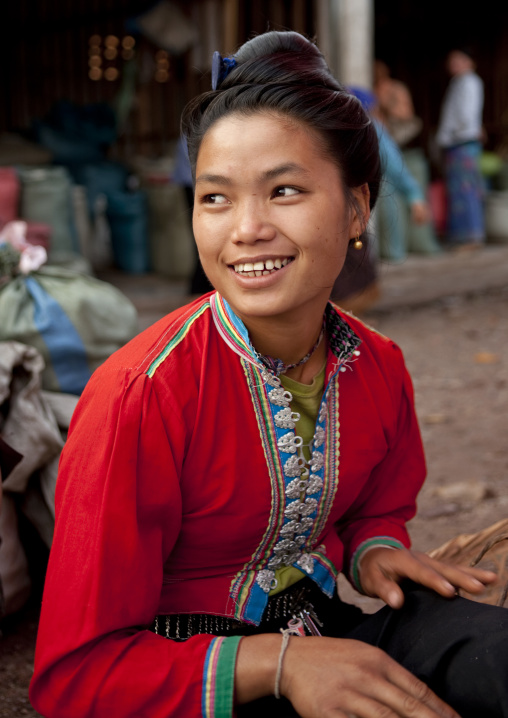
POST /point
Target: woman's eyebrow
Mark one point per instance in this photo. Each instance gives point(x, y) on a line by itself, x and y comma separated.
point(286, 168)
point(214, 179)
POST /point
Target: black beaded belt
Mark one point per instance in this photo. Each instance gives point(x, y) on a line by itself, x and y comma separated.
point(290, 604)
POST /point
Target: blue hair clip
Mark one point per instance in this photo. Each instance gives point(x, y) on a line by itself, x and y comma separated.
point(221, 67)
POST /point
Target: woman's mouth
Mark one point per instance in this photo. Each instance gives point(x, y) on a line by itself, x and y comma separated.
point(257, 269)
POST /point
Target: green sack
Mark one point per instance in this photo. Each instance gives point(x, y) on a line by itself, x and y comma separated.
point(46, 196)
point(75, 321)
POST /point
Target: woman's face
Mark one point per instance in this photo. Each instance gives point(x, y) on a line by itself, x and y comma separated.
point(270, 216)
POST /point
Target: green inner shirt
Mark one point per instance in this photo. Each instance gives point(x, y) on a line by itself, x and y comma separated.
point(306, 400)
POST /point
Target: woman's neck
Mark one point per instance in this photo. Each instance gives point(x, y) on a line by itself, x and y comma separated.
point(290, 341)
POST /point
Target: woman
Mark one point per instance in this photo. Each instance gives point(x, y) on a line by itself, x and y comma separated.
point(188, 507)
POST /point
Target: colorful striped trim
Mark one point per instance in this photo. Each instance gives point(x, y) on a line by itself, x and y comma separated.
point(175, 341)
point(218, 677)
point(324, 574)
point(331, 460)
point(376, 541)
point(241, 589)
point(231, 328)
point(243, 585)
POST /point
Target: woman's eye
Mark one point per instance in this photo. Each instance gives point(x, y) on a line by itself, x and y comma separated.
point(286, 192)
point(214, 199)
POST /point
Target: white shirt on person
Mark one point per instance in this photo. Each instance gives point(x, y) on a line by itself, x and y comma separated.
point(461, 112)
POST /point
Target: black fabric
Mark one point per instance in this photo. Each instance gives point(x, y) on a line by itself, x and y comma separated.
point(458, 647)
point(8, 459)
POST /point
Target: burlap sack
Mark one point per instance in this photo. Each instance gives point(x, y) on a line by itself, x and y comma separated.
point(486, 549)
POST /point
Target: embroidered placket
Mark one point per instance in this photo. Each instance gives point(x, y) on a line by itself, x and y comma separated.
point(303, 513)
point(303, 484)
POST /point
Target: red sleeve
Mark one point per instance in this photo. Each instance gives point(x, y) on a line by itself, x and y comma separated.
point(118, 516)
point(388, 499)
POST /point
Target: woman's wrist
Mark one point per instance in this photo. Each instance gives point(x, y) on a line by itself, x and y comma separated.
point(256, 666)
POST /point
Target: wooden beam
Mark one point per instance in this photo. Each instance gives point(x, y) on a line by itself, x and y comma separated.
point(230, 10)
point(298, 16)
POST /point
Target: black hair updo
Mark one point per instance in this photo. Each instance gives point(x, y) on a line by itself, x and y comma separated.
point(283, 72)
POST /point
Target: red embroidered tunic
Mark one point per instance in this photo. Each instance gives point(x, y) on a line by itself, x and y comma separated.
point(175, 495)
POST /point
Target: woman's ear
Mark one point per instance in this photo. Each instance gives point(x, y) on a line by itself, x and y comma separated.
point(361, 210)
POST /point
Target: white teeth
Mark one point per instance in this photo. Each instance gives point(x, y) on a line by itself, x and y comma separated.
point(256, 269)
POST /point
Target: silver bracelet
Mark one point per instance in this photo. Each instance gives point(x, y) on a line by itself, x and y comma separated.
point(285, 642)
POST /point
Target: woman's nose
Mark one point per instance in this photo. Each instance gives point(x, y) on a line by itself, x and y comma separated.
point(252, 223)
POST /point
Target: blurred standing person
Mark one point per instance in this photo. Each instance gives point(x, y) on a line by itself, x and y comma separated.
point(395, 105)
point(391, 223)
point(459, 135)
point(356, 288)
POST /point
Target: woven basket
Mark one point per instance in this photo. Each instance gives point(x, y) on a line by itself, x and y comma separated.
point(486, 549)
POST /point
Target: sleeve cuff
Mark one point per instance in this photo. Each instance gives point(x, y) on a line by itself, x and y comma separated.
point(363, 548)
point(218, 677)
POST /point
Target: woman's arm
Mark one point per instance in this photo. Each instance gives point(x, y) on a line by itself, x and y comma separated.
point(387, 501)
point(118, 517)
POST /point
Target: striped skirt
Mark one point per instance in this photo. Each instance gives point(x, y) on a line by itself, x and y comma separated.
point(465, 193)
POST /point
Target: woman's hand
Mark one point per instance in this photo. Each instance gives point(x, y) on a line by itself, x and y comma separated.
point(333, 678)
point(381, 570)
point(342, 678)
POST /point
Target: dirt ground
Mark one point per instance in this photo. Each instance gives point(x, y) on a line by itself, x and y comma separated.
point(457, 352)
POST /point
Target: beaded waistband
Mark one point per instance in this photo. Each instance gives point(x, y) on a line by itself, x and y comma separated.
point(291, 604)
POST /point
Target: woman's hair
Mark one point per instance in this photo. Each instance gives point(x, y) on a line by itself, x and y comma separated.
point(284, 73)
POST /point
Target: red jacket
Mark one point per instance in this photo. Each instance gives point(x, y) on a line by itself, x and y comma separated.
point(173, 497)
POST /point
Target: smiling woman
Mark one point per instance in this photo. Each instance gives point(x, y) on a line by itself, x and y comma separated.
point(287, 209)
point(229, 462)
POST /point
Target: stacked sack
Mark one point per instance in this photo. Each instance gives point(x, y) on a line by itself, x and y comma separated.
point(56, 327)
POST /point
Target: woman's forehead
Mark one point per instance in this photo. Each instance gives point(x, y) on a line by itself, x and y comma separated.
point(263, 139)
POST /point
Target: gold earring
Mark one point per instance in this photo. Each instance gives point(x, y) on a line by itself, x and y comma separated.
point(358, 244)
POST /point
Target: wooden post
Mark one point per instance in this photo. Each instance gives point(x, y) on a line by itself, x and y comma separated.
point(298, 15)
point(353, 32)
point(324, 32)
point(230, 26)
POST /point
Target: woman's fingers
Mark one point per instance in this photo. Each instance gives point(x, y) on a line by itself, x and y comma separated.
point(386, 588)
point(381, 572)
point(382, 569)
point(401, 705)
point(333, 678)
point(471, 579)
point(412, 693)
point(395, 692)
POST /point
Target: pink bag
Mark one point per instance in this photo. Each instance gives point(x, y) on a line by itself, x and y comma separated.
point(9, 195)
